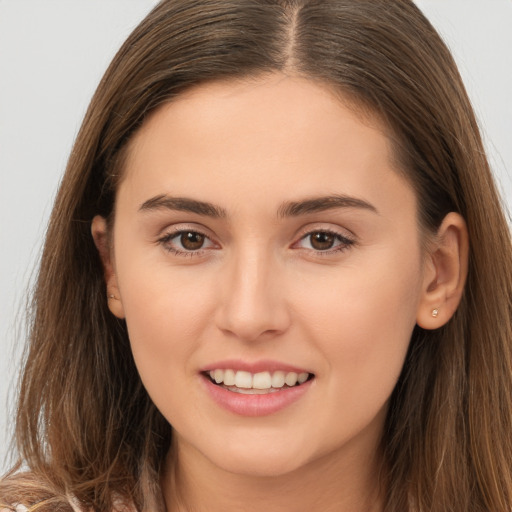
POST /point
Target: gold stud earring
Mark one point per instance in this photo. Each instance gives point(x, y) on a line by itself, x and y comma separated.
point(435, 312)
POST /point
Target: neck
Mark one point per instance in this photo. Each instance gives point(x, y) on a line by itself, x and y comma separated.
point(341, 482)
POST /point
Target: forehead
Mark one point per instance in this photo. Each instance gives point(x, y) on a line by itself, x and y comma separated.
point(255, 103)
point(276, 135)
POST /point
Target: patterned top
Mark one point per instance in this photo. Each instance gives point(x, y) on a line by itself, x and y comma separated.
point(23, 508)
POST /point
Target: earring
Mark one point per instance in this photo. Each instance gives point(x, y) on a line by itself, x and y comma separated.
point(435, 312)
point(112, 296)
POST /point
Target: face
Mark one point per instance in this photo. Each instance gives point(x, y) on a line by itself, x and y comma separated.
point(266, 256)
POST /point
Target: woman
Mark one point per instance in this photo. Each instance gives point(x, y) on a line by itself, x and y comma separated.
point(276, 275)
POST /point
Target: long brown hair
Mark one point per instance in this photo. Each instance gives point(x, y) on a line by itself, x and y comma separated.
point(85, 425)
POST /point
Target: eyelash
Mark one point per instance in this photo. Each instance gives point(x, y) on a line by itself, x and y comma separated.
point(344, 242)
point(166, 239)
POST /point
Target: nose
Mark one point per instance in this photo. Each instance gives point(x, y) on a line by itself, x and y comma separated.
point(253, 304)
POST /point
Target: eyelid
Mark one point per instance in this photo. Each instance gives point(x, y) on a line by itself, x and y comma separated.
point(346, 237)
point(176, 230)
point(343, 235)
point(318, 227)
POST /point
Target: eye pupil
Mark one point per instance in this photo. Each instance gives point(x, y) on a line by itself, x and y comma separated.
point(192, 241)
point(322, 241)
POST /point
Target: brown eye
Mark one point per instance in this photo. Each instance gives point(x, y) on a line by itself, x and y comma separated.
point(186, 243)
point(322, 241)
point(192, 241)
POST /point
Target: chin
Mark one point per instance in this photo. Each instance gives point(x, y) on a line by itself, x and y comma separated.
point(260, 459)
point(260, 467)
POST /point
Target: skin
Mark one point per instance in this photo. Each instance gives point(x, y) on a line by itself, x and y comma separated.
point(259, 289)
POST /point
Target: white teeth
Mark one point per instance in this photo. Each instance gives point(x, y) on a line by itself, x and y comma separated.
point(229, 378)
point(260, 381)
point(291, 379)
point(218, 376)
point(278, 379)
point(303, 377)
point(243, 380)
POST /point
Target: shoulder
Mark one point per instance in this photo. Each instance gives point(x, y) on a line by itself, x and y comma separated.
point(24, 492)
point(43, 507)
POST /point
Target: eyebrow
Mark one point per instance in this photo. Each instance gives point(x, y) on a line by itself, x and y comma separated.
point(321, 204)
point(288, 209)
point(183, 204)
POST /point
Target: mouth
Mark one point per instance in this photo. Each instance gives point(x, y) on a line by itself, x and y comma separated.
point(260, 383)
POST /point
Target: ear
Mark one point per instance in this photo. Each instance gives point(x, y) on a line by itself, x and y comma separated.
point(101, 240)
point(445, 271)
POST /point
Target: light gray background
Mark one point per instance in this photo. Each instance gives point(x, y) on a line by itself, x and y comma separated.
point(52, 55)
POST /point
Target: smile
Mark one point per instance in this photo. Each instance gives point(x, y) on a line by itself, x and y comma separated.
point(257, 393)
point(257, 383)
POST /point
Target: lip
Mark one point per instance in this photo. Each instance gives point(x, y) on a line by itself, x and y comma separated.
point(254, 404)
point(253, 367)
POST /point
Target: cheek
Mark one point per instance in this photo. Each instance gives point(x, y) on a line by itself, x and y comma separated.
point(166, 313)
point(361, 319)
point(166, 319)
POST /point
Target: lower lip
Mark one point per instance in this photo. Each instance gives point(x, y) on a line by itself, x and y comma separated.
point(255, 405)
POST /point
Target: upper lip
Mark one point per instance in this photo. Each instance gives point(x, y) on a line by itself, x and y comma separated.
point(253, 366)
